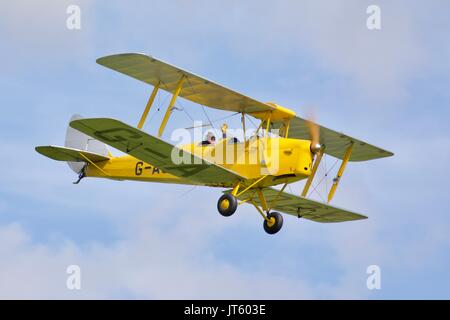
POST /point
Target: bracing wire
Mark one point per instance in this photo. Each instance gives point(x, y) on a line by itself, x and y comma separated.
point(214, 121)
point(203, 107)
point(158, 108)
point(290, 189)
point(187, 192)
point(251, 121)
point(185, 111)
point(325, 176)
point(314, 189)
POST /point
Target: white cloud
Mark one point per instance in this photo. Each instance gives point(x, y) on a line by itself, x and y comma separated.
point(149, 264)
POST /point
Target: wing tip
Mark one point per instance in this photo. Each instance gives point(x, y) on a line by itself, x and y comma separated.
point(46, 151)
point(40, 149)
point(102, 60)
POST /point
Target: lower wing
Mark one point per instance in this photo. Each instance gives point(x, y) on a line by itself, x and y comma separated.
point(301, 207)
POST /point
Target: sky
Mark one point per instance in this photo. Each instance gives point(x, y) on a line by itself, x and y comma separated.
point(136, 240)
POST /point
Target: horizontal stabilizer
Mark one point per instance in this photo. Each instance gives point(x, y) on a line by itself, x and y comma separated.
point(69, 154)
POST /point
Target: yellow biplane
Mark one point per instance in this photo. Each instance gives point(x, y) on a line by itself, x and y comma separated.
point(283, 149)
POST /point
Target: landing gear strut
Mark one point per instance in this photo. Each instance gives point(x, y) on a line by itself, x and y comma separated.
point(273, 221)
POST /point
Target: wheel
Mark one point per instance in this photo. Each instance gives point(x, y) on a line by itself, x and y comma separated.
point(227, 205)
point(275, 223)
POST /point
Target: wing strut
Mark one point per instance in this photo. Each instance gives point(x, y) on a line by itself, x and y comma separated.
point(262, 199)
point(313, 173)
point(148, 106)
point(243, 127)
point(171, 104)
point(274, 201)
point(250, 186)
point(347, 155)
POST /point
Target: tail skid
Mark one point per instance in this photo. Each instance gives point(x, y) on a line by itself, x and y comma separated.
point(81, 175)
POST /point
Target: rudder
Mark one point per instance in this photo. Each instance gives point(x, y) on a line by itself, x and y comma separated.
point(78, 140)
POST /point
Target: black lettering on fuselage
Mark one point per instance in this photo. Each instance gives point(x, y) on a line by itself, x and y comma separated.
point(139, 168)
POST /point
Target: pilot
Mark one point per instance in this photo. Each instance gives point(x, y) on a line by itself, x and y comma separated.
point(224, 129)
point(210, 139)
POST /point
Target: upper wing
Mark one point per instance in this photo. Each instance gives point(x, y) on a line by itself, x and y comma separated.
point(155, 151)
point(336, 143)
point(194, 88)
point(206, 92)
point(302, 207)
point(69, 154)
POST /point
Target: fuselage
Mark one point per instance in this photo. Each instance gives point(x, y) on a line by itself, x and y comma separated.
point(281, 160)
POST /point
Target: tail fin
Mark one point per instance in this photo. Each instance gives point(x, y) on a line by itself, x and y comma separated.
point(78, 148)
point(78, 140)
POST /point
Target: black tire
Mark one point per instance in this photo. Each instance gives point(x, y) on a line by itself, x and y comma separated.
point(272, 229)
point(227, 208)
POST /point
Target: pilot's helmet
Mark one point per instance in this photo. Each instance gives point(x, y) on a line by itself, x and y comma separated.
point(211, 138)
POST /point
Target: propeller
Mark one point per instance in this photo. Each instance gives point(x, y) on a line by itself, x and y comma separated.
point(314, 134)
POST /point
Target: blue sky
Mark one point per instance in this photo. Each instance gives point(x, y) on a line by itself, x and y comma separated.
point(135, 240)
